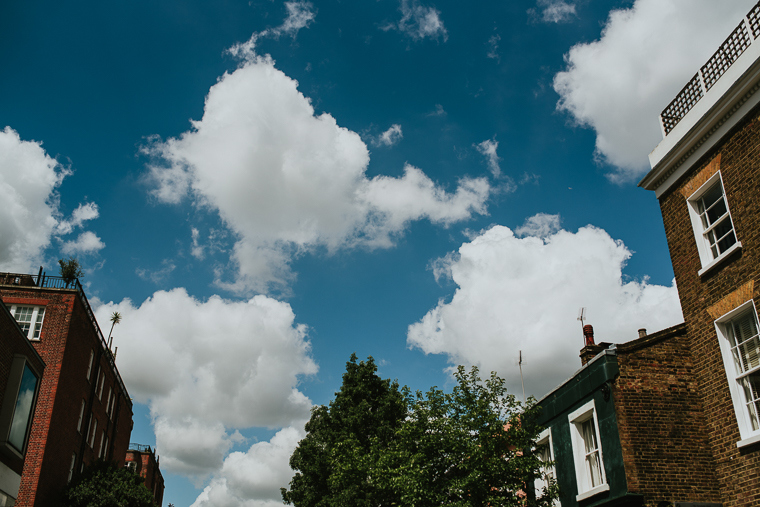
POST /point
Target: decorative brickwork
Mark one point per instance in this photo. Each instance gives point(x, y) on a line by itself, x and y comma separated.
point(737, 469)
point(733, 300)
point(701, 177)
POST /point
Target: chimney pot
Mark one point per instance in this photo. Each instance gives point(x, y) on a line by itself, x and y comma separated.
point(642, 332)
point(588, 333)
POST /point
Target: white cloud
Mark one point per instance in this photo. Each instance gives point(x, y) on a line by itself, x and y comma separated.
point(619, 84)
point(554, 11)
point(86, 242)
point(157, 275)
point(390, 137)
point(197, 249)
point(488, 149)
point(214, 367)
point(29, 215)
point(419, 22)
point(300, 15)
point(438, 111)
point(286, 181)
point(254, 478)
point(524, 294)
point(541, 225)
point(493, 47)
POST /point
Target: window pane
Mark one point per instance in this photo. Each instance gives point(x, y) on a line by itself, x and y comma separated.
point(751, 385)
point(718, 210)
point(712, 195)
point(742, 334)
point(23, 411)
point(594, 469)
point(589, 435)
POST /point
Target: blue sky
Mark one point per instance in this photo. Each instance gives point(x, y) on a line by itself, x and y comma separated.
point(262, 188)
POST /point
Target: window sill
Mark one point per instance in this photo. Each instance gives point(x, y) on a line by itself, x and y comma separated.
point(715, 262)
point(748, 441)
point(592, 492)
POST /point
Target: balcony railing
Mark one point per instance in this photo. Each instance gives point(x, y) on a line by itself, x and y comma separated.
point(140, 448)
point(728, 52)
point(57, 282)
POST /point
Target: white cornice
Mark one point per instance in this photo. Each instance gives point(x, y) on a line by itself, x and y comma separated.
point(721, 108)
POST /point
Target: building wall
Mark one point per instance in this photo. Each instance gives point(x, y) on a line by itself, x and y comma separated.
point(146, 466)
point(661, 421)
point(738, 470)
point(67, 338)
point(14, 343)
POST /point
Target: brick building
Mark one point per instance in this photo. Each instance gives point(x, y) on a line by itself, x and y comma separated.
point(83, 409)
point(142, 460)
point(21, 369)
point(673, 418)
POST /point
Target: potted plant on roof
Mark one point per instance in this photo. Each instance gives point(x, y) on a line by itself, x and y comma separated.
point(70, 270)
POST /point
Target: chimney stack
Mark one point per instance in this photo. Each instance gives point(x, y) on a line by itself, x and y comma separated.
point(591, 349)
point(642, 332)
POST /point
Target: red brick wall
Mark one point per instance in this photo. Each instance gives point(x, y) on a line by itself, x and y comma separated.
point(14, 342)
point(737, 469)
point(66, 341)
point(661, 421)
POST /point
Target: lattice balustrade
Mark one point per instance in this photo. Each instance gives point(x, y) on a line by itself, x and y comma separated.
point(681, 105)
point(726, 55)
point(754, 20)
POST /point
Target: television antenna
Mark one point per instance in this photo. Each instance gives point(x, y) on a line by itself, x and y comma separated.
point(519, 364)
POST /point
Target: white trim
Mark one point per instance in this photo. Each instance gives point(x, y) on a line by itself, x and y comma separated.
point(545, 438)
point(576, 418)
point(595, 491)
point(748, 435)
point(748, 441)
point(705, 255)
point(717, 112)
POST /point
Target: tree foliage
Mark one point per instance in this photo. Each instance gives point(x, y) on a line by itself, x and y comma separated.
point(474, 446)
point(70, 269)
point(103, 484)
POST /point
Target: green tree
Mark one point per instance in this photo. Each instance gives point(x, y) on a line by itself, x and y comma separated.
point(70, 270)
point(332, 464)
point(472, 447)
point(378, 446)
point(103, 484)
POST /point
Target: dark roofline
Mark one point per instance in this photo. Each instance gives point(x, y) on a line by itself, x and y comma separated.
point(652, 339)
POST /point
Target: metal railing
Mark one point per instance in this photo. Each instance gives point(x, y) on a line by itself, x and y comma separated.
point(56, 282)
point(728, 52)
point(140, 448)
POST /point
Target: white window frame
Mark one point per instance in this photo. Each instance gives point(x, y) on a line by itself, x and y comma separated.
point(545, 439)
point(89, 367)
point(81, 416)
point(748, 435)
point(102, 441)
point(71, 467)
point(33, 333)
point(94, 433)
point(576, 419)
point(102, 381)
point(705, 255)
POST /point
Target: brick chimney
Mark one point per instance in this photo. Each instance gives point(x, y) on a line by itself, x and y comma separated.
point(591, 349)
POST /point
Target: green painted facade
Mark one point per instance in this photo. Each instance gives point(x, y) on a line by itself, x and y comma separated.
point(593, 381)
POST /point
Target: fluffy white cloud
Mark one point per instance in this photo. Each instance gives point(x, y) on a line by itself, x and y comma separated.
point(213, 366)
point(553, 11)
point(286, 181)
point(524, 294)
point(493, 47)
point(86, 242)
point(619, 84)
point(488, 149)
point(254, 478)
point(541, 225)
point(419, 21)
point(29, 216)
point(390, 137)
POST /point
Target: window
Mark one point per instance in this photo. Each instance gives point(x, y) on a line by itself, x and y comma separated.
point(712, 223)
point(102, 442)
point(81, 417)
point(18, 405)
point(94, 432)
point(108, 403)
point(105, 449)
point(89, 368)
point(545, 452)
point(29, 319)
point(740, 347)
point(102, 381)
point(71, 466)
point(587, 452)
point(131, 465)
